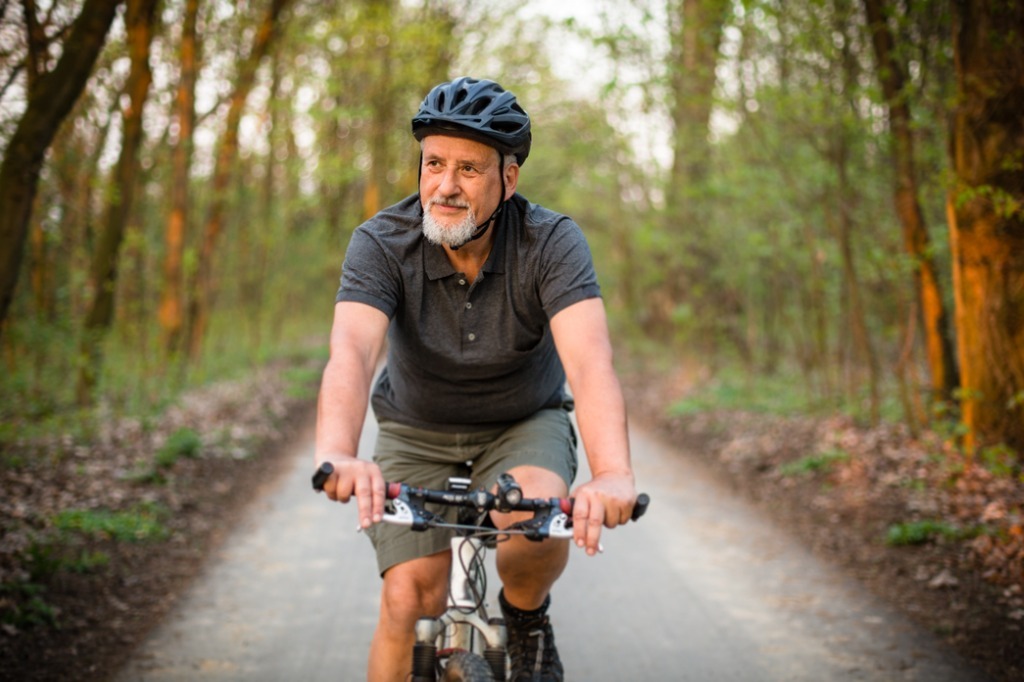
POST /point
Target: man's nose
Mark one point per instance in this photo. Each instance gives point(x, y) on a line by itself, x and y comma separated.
point(448, 185)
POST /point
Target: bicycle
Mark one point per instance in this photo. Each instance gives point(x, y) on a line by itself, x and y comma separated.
point(465, 644)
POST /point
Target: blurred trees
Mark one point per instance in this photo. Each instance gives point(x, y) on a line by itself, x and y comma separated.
point(50, 90)
point(890, 65)
point(801, 254)
point(171, 314)
point(204, 287)
point(986, 215)
point(763, 183)
point(139, 19)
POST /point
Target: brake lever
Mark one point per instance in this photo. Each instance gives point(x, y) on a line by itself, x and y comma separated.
point(550, 522)
point(409, 511)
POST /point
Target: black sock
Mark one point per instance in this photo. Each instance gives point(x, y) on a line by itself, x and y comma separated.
point(521, 614)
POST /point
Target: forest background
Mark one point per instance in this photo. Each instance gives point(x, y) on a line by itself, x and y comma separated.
point(815, 205)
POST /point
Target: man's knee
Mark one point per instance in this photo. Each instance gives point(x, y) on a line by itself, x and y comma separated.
point(535, 482)
point(414, 589)
point(539, 482)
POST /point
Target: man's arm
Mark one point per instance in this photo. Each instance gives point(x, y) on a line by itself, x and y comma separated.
point(357, 337)
point(581, 336)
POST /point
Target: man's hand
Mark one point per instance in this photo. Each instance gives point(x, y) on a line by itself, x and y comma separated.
point(607, 500)
point(352, 476)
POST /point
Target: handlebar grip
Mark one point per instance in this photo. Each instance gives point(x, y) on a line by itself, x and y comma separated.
point(321, 476)
point(640, 508)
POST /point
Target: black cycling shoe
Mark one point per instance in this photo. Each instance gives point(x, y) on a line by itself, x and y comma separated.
point(531, 644)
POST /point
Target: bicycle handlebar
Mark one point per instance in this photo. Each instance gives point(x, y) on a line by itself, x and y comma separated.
point(411, 498)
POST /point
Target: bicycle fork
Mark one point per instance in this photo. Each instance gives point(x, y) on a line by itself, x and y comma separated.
point(463, 624)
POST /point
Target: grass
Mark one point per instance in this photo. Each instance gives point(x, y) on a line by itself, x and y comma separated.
point(141, 524)
point(63, 549)
point(811, 464)
point(37, 398)
point(24, 605)
point(920, 532)
point(184, 442)
point(733, 390)
point(303, 381)
point(1002, 460)
point(785, 393)
point(38, 411)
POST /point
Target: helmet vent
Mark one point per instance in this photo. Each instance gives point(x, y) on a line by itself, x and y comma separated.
point(479, 109)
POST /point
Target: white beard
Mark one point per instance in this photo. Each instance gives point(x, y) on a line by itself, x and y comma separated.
point(448, 235)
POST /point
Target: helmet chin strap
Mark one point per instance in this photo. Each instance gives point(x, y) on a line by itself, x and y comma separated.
point(482, 228)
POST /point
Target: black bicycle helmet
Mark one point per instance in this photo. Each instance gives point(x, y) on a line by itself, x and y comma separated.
point(478, 109)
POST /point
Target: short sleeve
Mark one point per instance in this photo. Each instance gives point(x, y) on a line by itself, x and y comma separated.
point(369, 274)
point(567, 275)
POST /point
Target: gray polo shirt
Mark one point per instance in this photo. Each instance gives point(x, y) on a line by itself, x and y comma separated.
point(466, 356)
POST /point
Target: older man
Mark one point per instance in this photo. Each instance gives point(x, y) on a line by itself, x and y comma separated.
point(489, 304)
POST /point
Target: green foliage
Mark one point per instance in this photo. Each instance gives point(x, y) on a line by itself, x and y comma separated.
point(1005, 204)
point(733, 390)
point(817, 463)
point(47, 558)
point(946, 420)
point(89, 562)
point(65, 546)
point(753, 279)
point(184, 442)
point(921, 532)
point(24, 606)
point(1001, 460)
point(915, 484)
point(303, 382)
point(142, 524)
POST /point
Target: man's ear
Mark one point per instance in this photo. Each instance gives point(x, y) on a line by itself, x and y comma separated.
point(511, 179)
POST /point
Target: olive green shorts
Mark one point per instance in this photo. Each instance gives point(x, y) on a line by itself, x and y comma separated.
point(428, 458)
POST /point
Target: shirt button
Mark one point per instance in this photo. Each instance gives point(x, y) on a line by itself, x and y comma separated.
point(468, 305)
point(472, 337)
point(462, 282)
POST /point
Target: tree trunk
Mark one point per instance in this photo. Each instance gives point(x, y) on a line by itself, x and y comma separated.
point(139, 20)
point(270, 219)
point(696, 36)
point(916, 241)
point(50, 98)
point(380, 97)
point(695, 50)
point(171, 313)
point(863, 347)
point(204, 290)
point(986, 216)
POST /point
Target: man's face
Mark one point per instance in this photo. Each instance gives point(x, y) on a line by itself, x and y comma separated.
point(460, 185)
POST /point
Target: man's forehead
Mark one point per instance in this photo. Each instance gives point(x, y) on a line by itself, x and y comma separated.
point(450, 146)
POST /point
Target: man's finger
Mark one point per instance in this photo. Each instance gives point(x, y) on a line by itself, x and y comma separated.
point(580, 513)
point(364, 499)
point(330, 487)
point(595, 519)
point(379, 497)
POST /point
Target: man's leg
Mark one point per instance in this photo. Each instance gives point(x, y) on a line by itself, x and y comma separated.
point(529, 569)
point(411, 590)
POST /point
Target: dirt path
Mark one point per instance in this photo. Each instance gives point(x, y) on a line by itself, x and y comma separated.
point(704, 588)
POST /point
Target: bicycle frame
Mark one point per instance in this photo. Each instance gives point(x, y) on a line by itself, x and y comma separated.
point(465, 625)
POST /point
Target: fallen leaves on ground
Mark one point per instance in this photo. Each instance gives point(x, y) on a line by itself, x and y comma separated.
point(934, 533)
point(100, 532)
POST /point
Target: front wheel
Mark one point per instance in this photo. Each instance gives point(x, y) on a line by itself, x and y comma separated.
point(464, 666)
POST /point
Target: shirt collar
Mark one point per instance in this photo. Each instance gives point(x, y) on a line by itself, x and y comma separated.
point(437, 265)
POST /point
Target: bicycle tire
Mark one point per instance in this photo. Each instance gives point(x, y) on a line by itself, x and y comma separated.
point(465, 666)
